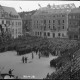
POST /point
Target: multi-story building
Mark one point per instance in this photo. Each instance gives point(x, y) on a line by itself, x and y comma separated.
point(52, 21)
point(10, 21)
point(74, 24)
point(26, 20)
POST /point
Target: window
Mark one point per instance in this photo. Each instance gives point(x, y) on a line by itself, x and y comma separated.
point(58, 34)
point(2, 21)
point(44, 33)
point(63, 27)
point(75, 36)
point(16, 31)
point(49, 21)
point(8, 22)
point(69, 17)
point(70, 23)
point(16, 23)
point(19, 23)
point(12, 31)
point(74, 17)
point(53, 21)
point(63, 15)
point(38, 33)
point(49, 27)
point(57, 15)
point(53, 27)
point(53, 34)
point(12, 23)
point(63, 34)
point(63, 21)
point(53, 15)
point(70, 37)
point(44, 21)
point(19, 30)
point(58, 28)
point(35, 33)
point(58, 22)
point(48, 34)
point(34, 22)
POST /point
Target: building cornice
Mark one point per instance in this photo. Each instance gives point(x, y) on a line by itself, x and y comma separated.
point(10, 19)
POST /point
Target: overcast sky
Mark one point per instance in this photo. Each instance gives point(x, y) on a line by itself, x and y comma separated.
point(33, 5)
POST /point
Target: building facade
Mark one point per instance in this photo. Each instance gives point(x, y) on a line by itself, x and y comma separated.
point(10, 22)
point(74, 24)
point(53, 22)
point(26, 20)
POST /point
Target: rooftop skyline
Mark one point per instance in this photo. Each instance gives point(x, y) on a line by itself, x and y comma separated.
point(33, 5)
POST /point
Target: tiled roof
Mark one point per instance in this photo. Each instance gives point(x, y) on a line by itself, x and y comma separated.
point(76, 10)
point(10, 10)
point(46, 11)
point(27, 15)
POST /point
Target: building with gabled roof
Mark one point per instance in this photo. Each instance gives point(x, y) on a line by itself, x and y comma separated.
point(10, 21)
point(26, 21)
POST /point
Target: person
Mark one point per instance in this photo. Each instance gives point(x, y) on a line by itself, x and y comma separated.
point(23, 59)
point(1, 76)
point(10, 72)
point(17, 77)
point(48, 75)
point(39, 55)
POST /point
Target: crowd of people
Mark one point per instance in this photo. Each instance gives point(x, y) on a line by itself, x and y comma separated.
point(46, 43)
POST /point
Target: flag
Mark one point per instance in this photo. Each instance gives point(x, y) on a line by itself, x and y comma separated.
point(39, 5)
point(20, 7)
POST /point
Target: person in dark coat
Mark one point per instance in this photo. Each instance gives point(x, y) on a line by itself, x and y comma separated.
point(17, 77)
point(10, 72)
point(25, 59)
point(48, 75)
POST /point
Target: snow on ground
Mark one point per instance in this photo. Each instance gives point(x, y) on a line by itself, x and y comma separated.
point(36, 67)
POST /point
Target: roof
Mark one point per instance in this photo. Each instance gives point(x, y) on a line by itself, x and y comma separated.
point(50, 11)
point(46, 11)
point(10, 10)
point(56, 9)
point(26, 15)
point(75, 10)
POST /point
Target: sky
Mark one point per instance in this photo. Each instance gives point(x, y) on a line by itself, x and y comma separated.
point(33, 5)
